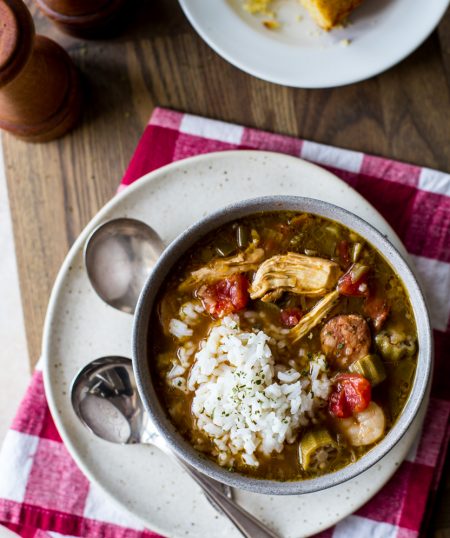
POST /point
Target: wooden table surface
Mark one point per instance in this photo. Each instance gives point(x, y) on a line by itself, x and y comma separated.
point(157, 59)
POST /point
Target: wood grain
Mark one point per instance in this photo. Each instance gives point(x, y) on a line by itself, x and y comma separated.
point(56, 188)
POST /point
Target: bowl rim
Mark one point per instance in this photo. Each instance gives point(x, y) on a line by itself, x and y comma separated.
point(177, 249)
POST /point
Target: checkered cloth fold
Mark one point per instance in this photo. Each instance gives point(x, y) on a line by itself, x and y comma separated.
point(42, 492)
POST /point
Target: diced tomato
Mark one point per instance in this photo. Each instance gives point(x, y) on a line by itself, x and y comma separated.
point(354, 282)
point(291, 316)
point(225, 296)
point(344, 252)
point(351, 394)
point(377, 308)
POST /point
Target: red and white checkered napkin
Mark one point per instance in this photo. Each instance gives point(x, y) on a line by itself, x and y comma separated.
point(42, 492)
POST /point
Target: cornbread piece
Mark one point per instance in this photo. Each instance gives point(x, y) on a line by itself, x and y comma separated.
point(329, 13)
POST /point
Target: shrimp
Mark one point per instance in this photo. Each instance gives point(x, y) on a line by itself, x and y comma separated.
point(365, 427)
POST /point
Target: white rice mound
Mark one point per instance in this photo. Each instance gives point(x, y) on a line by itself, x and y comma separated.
point(189, 313)
point(246, 405)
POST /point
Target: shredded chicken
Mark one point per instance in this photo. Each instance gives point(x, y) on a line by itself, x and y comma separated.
point(314, 316)
point(295, 273)
point(224, 267)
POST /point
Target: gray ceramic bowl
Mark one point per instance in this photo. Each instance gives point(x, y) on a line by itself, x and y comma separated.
point(140, 339)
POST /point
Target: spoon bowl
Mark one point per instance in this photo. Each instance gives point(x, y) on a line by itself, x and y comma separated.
point(119, 255)
point(105, 398)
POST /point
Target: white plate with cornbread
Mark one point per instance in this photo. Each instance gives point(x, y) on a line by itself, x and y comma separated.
point(314, 43)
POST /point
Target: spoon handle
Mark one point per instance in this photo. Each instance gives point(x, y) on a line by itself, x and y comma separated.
point(248, 525)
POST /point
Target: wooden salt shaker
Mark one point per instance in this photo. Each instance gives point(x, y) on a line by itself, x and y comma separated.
point(40, 96)
point(83, 18)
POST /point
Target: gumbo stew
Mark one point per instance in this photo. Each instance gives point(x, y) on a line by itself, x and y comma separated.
point(283, 346)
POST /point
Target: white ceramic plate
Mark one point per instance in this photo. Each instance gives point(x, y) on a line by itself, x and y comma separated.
point(380, 34)
point(79, 328)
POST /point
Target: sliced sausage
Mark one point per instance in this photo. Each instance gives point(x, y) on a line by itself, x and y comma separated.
point(345, 339)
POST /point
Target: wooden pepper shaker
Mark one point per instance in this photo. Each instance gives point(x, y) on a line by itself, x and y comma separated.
point(83, 18)
point(40, 97)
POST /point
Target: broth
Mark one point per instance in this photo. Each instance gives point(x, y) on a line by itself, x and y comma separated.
point(283, 346)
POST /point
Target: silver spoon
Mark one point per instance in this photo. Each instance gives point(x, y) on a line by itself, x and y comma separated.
point(105, 398)
point(119, 255)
